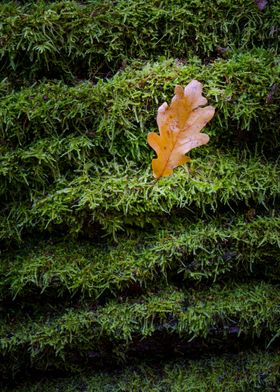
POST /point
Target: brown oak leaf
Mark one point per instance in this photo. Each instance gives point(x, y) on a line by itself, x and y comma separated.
point(179, 127)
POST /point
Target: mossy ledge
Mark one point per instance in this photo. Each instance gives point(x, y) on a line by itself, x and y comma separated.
point(253, 371)
point(53, 333)
point(205, 251)
point(114, 116)
point(118, 198)
point(93, 38)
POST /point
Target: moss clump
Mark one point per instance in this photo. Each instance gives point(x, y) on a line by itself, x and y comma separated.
point(71, 39)
point(196, 251)
point(217, 313)
point(116, 198)
point(251, 371)
point(114, 116)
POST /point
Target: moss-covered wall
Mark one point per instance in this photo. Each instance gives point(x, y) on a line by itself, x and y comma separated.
point(108, 279)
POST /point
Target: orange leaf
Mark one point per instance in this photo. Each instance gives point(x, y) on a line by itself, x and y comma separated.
point(179, 127)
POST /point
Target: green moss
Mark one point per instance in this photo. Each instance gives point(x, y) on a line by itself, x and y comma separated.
point(117, 114)
point(229, 373)
point(80, 136)
point(210, 249)
point(49, 332)
point(99, 263)
point(69, 38)
point(118, 197)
